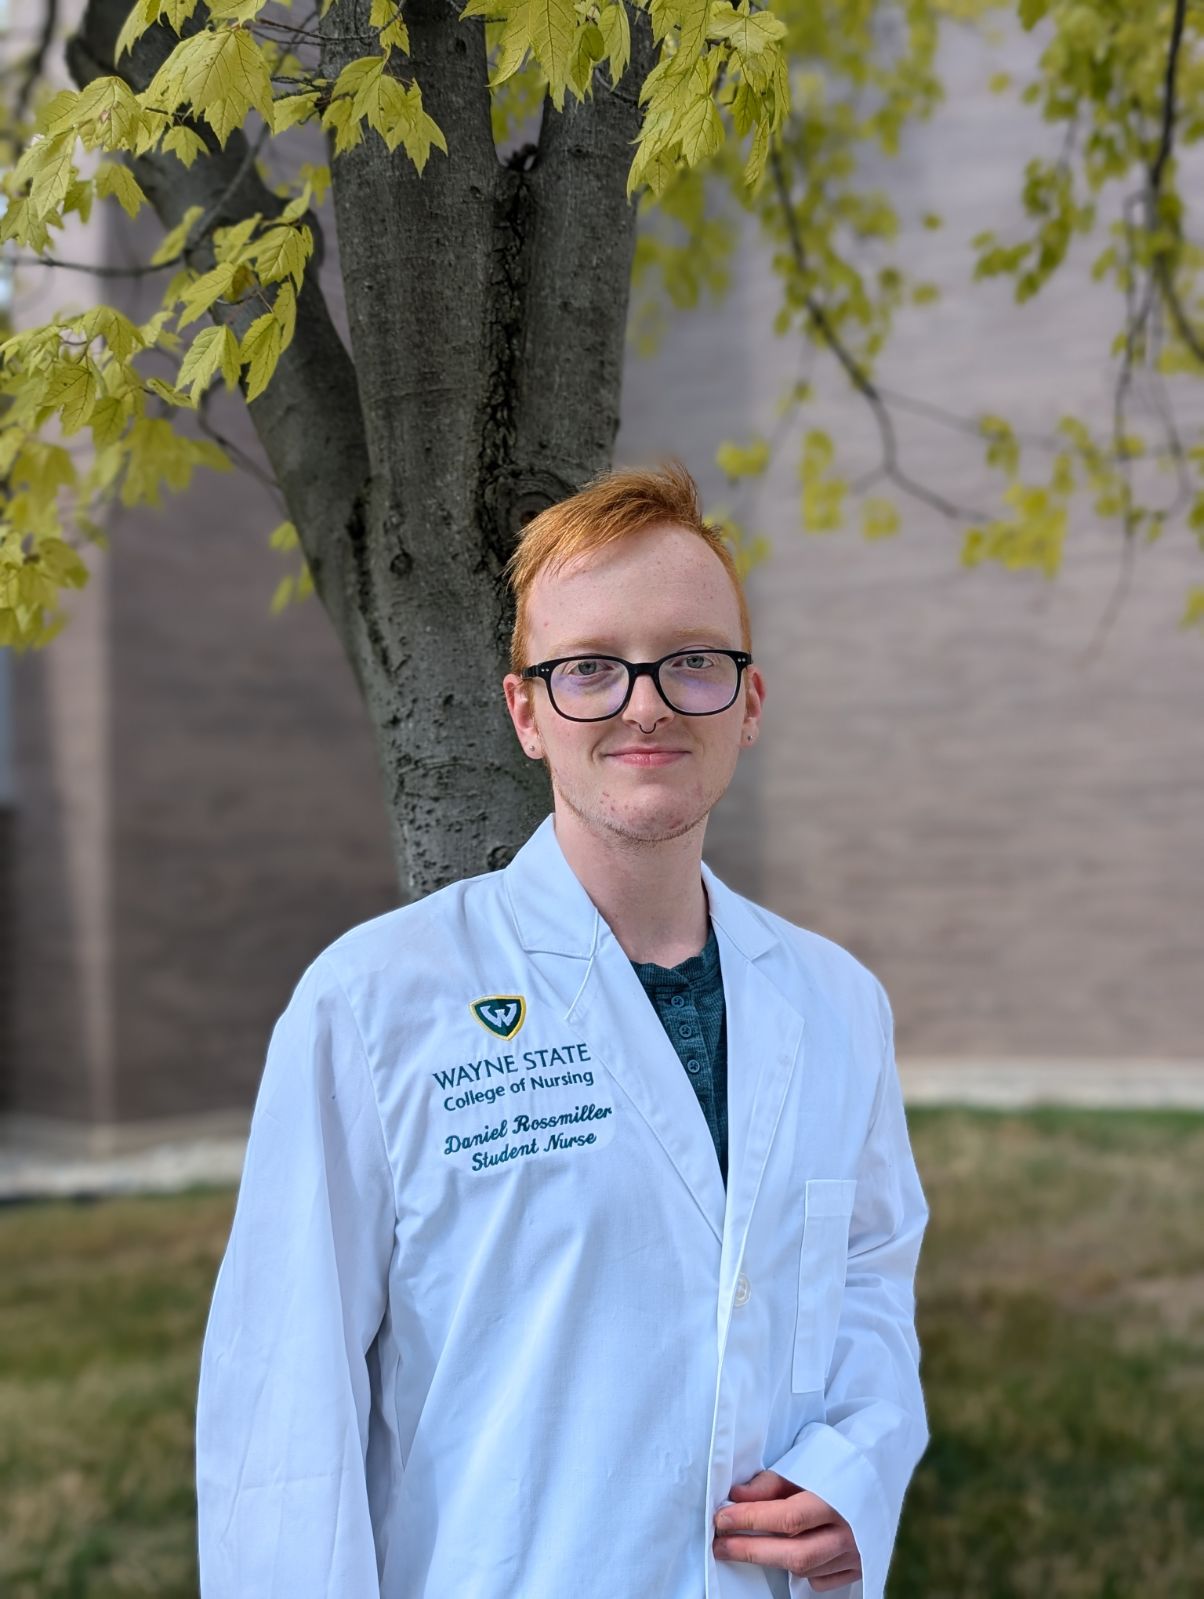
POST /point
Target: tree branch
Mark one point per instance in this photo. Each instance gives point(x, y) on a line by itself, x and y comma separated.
point(1169, 102)
point(890, 466)
point(1164, 265)
point(1139, 318)
point(308, 418)
point(32, 69)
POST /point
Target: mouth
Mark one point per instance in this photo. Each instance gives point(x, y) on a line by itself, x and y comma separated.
point(647, 757)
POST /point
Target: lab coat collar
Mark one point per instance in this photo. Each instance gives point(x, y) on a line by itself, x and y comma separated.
point(553, 912)
point(554, 915)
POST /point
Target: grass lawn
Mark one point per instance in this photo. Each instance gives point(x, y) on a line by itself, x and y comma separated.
point(1061, 1321)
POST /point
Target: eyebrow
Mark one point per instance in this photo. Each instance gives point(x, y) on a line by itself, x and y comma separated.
point(598, 646)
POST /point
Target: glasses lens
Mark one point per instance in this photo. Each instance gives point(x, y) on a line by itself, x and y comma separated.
point(588, 687)
point(699, 682)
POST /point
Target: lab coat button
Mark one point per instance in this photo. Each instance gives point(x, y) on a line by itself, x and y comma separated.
point(743, 1289)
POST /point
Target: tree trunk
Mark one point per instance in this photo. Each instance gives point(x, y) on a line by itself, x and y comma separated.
point(487, 305)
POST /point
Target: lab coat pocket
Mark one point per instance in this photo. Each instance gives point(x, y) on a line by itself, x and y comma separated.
point(828, 1208)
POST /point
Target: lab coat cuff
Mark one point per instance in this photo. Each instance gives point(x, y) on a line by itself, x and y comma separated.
point(825, 1462)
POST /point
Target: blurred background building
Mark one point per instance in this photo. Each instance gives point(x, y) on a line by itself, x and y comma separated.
point(1008, 835)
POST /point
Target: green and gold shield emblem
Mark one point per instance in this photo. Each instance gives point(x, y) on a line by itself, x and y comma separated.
point(500, 1014)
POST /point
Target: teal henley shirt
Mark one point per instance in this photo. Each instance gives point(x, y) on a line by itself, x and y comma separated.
point(688, 998)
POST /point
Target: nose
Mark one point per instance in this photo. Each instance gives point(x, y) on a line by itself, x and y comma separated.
point(645, 707)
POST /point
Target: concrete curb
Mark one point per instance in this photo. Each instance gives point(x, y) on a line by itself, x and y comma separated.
point(164, 1169)
point(1016, 1084)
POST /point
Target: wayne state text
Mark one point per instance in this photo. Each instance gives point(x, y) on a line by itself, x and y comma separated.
point(527, 1124)
point(474, 1074)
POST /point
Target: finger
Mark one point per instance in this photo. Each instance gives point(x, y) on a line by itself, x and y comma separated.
point(845, 1559)
point(797, 1513)
point(764, 1485)
point(797, 1555)
point(838, 1579)
point(757, 1493)
point(763, 1515)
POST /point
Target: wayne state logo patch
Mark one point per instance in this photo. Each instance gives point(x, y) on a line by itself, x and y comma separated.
point(500, 1014)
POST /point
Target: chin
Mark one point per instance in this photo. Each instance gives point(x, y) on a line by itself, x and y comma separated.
point(650, 814)
point(656, 820)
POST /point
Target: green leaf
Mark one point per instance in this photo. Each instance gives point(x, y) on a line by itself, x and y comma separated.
point(879, 518)
point(283, 537)
point(109, 416)
point(261, 346)
point(229, 241)
point(616, 37)
point(692, 19)
point(219, 74)
point(157, 454)
point(386, 16)
point(115, 178)
point(61, 563)
point(394, 109)
point(206, 289)
point(284, 309)
point(71, 389)
point(168, 392)
point(293, 108)
point(750, 32)
point(236, 10)
point(141, 17)
point(47, 163)
point(185, 144)
point(281, 252)
point(347, 129)
point(213, 350)
point(552, 25)
point(737, 461)
point(701, 130)
point(1193, 610)
point(514, 43)
point(118, 332)
point(173, 242)
point(106, 111)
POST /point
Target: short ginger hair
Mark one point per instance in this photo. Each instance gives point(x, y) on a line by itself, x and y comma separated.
point(610, 506)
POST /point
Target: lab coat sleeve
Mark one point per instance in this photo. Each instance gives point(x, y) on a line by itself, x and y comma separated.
point(283, 1397)
point(861, 1457)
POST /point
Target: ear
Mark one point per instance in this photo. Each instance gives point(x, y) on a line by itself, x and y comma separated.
point(520, 702)
point(754, 703)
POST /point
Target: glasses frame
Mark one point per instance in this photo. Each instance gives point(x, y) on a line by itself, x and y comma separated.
point(636, 669)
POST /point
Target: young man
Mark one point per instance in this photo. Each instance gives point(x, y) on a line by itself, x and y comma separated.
point(576, 1241)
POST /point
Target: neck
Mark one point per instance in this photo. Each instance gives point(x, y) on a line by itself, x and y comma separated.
point(649, 891)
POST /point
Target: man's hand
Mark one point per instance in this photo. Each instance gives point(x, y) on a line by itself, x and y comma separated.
point(799, 1532)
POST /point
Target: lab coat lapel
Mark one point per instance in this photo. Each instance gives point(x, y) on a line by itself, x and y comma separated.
point(593, 979)
point(764, 1049)
point(569, 946)
point(626, 1033)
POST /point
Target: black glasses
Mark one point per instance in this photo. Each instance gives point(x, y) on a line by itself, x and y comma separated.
point(589, 688)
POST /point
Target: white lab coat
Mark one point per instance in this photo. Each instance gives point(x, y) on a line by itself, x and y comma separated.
point(456, 1354)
